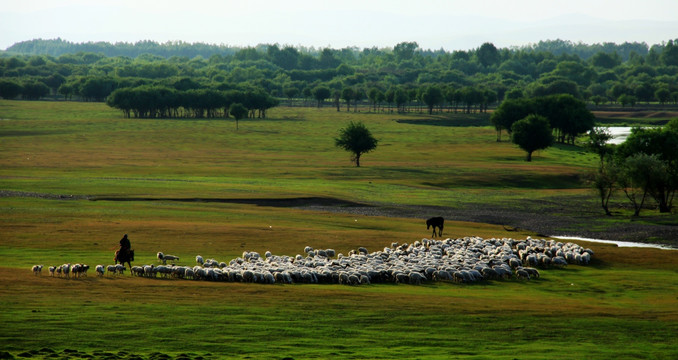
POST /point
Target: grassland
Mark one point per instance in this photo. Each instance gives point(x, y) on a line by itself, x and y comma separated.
point(57, 157)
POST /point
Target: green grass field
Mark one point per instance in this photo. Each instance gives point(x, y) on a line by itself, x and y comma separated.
point(624, 305)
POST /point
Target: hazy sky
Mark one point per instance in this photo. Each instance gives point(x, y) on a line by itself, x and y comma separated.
point(433, 24)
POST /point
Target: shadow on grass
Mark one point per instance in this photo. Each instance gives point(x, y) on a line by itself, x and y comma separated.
point(454, 121)
point(272, 202)
point(534, 181)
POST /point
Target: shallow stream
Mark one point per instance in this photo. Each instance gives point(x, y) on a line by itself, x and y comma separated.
point(618, 243)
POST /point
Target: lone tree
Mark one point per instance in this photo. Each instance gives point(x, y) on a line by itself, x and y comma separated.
point(348, 94)
point(320, 93)
point(432, 96)
point(357, 139)
point(605, 180)
point(532, 133)
point(238, 111)
point(598, 143)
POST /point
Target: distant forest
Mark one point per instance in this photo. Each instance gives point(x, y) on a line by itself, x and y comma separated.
point(201, 80)
point(58, 47)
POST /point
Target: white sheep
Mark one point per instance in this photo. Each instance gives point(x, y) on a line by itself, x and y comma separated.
point(111, 269)
point(75, 269)
point(149, 270)
point(66, 269)
point(464, 260)
point(37, 269)
point(99, 270)
point(199, 260)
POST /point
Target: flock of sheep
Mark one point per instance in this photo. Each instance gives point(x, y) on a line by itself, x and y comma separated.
point(463, 260)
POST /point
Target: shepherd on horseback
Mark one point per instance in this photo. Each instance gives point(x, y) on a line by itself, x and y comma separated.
point(125, 254)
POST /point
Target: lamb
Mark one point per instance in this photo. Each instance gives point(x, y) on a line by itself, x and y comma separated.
point(163, 270)
point(37, 269)
point(521, 273)
point(199, 273)
point(137, 271)
point(514, 263)
point(416, 278)
point(211, 263)
point(534, 273)
point(199, 260)
point(75, 269)
point(52, 270)
point(120, 268)
point(489, 273)
point(440, 275)
point(80, 269)
point(353, 279)
point(149, 271)
point(99, 270)
point(558, 261)
point(111, 269)
point(269, 278)
point(66, 269)
point(321, 253)
point(585, 258)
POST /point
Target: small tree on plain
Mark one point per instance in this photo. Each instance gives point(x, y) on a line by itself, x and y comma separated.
point(432, 96)
point(532, 133)
point(348, 94)
point(238, 111)
point(605, 181)
point(598, 143)
point(357, 139)
point(638, 174)
point(320, 93)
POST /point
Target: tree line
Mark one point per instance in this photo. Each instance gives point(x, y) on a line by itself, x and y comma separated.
point(400, 78)
point(58, 46)
point(164, 102)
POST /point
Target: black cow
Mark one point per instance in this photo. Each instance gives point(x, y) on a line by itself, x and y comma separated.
point(436, 222)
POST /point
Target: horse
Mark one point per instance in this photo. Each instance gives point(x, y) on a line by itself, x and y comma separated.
point(123, 257)
point(436, 222)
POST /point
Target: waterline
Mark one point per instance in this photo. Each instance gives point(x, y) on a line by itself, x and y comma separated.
point(618, 243)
